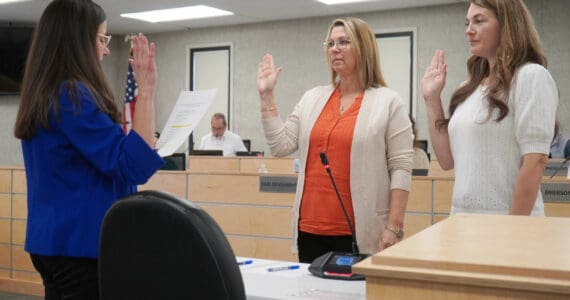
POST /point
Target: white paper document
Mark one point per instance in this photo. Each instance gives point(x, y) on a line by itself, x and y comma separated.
point(187, 113)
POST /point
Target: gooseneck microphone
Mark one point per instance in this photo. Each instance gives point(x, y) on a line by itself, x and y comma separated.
point(325, 162)
point(560, 167)
point(338, 265)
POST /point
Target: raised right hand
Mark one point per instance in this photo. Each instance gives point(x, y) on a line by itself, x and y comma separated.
point(433, 81)
point(143, 64)
point(267, 75)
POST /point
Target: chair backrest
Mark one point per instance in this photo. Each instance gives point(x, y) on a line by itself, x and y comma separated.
point(156, 246)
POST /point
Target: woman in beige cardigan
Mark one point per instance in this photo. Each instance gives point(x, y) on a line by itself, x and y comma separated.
point(363, 128)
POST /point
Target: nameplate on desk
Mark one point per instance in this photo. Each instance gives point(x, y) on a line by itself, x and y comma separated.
point(278, 184)
point(555, 191)
point(419, 172)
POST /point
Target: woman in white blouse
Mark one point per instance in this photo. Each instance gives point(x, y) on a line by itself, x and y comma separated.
point(501, 119)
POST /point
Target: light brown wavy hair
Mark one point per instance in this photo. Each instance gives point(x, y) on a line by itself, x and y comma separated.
point(363, 43)
point(519, 44)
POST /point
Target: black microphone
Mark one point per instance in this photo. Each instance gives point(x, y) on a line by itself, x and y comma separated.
point(325, 162)
point(338, 265)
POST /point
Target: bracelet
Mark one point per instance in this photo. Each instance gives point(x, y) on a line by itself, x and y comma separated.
point(269, 108)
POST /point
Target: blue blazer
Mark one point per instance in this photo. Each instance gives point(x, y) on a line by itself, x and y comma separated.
point(75, 171)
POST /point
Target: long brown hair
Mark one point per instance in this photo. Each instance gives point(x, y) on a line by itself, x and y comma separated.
point(363, 42)
point(63, 49)
point(519, 44)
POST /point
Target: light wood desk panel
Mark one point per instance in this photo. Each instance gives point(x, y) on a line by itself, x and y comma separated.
point(267, 248)
point(272, 165)
point(557, 209)
point(234, 188)
point(419, 199)
point(168, 181)
point(5, 181)
point(251, 220)
point(213, 164)
point(476, 257)
point(414, 223)
point(5, 205)
point(18, 232)
point(21, 259)
point(19, 181)
point(5, 231)
point(442, 190)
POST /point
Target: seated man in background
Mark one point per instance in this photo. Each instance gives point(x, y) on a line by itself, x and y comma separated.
point(220, 138)
point(560, 146)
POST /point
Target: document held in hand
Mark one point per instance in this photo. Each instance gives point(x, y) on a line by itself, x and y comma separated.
point(187, 113)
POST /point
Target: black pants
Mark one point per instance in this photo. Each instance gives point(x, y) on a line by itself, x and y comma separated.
point(312, 246)
point(68, 278)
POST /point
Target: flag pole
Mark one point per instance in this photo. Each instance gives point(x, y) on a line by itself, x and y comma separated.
point(130, 90)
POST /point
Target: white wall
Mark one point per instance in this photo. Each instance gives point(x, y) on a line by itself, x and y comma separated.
point(297, 46)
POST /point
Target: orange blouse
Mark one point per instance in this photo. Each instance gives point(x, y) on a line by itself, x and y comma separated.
point(332, 133)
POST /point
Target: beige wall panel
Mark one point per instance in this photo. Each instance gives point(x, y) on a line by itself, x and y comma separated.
point(27, 276)
point(420, 196)
point(213, 164)
point(19, 182)
point(416, 223)
point(21, 259)
point(262, 248)
point(442, 195)
point(5, 256)
point(273, 165)
point(5, 181)
point(19, 206)
point(165, 181)
point(557, 209)
point(234, 189)
point(5, 231)
point(264, 221)
point(5, 206)
point(18, 232)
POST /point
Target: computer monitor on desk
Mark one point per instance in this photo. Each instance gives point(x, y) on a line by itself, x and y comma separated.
point(206, 152)
point(249, 153)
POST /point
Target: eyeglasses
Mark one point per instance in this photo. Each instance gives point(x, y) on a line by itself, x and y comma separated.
point(104, 39)
point(340, 44)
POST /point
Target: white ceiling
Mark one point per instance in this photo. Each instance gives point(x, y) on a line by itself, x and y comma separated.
point(246, 11)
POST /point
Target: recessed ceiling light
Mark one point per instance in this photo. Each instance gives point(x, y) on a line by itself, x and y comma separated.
point(177, 14)
point(10, 1)
point(334, 2)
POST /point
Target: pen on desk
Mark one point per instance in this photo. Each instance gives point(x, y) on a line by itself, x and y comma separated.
point(275, 269)
point(245, 262)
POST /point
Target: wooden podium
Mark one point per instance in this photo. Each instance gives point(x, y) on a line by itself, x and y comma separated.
point(475, 257)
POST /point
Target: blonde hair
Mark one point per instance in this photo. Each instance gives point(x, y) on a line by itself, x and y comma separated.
point(363, 43)
point(519, 44)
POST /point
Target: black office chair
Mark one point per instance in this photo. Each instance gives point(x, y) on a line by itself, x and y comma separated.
point(156, 246)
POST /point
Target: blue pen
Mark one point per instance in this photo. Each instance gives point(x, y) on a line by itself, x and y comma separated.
point(275, 269)
point(245, 262)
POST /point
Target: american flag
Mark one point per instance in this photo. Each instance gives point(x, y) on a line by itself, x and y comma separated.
point(131, 92)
